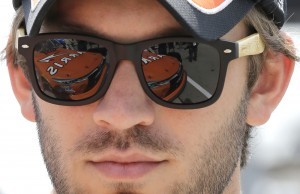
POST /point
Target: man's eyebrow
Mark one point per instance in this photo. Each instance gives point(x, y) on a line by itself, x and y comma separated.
point(81, 30)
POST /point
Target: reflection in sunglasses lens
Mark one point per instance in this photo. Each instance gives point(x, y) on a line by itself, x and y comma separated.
point(69, 69)
point(181, 72)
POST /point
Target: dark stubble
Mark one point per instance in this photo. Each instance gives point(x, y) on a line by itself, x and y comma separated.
point(211, 172)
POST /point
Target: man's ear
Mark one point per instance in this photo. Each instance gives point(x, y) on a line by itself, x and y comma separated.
point(270, 87)
point(21, 87)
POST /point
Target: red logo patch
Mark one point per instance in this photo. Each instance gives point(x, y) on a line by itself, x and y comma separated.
point(210, 6)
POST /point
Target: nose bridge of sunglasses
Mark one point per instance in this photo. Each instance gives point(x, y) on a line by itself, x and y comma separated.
point(126, 52)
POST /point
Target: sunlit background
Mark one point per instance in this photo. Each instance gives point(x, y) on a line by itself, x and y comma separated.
point(273, 169)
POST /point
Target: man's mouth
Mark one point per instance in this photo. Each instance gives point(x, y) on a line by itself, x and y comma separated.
point(133, 166)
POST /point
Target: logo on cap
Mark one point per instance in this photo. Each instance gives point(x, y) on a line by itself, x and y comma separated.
point(34, 4)
point(210, 6)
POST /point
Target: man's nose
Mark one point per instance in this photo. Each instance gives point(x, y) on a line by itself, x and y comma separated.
point(125, 104)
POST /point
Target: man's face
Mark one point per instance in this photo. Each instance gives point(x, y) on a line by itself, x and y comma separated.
point(125, 143)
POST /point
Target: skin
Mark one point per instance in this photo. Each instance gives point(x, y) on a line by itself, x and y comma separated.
point(202, 144)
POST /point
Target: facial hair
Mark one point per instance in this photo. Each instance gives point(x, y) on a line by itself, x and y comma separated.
point(211, 171)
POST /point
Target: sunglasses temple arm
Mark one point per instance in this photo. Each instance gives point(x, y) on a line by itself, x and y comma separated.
point(251, 45)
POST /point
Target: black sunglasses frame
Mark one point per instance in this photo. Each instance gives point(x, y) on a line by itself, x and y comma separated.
point(133, 52)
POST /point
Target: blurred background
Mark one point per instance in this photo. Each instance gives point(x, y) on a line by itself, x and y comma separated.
point(274, 167)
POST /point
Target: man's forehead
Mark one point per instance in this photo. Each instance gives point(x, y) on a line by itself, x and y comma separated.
point(110, 20)
point(35, 11)
point(63, 19)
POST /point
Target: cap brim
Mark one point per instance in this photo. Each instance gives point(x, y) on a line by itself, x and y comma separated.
point(34, 15)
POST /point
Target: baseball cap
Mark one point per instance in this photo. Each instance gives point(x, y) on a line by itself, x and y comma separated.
point(206, 19)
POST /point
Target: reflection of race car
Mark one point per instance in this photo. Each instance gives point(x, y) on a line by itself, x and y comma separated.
point(70, 74)
point(164, 74)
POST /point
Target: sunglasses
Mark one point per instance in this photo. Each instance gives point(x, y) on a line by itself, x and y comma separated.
point(176, 72)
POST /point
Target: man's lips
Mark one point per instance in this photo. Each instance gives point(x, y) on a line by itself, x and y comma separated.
point(130, 167)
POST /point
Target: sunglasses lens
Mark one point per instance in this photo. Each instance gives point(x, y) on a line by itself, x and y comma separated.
point(182, 72)
point(68, 69)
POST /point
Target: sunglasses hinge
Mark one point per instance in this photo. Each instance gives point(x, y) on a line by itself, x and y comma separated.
point(20, 33)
